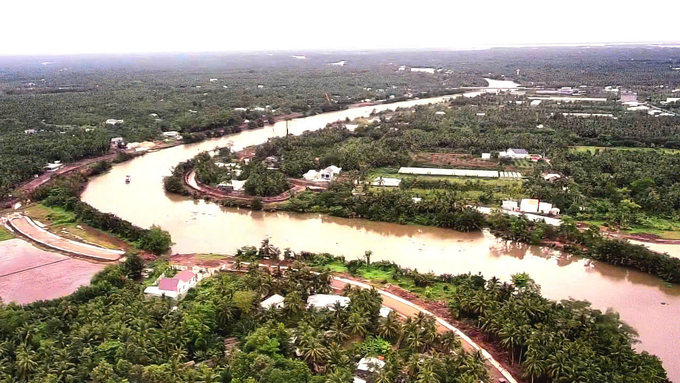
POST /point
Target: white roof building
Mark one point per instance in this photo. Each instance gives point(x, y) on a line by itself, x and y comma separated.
point(275, 301)
point(311, 175)
point(544, 207)
point(551, 177)
point(53, 165)
point(510, 205)
point(387, 182)
point(326, 300)
point(486, 156)
point(529, 206)
point(171, 133)
point(370, 364)
point(535, 103)
point(113, 121)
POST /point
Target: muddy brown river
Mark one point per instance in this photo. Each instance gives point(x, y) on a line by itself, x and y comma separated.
point(196, 226)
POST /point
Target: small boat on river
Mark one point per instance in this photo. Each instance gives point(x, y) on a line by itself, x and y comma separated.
point(127, 179)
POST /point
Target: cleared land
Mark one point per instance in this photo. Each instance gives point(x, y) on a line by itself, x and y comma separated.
point(28, 274)
point(29, 229)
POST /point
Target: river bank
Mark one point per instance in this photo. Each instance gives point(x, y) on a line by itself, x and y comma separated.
point(198, 226)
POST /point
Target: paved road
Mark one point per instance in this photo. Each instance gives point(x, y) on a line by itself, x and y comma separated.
point(28, 228)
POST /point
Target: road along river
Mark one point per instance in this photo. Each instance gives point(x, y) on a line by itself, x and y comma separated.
point(196, 226)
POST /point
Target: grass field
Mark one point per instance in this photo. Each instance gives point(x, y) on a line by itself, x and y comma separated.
point(664, 228)
point(382, 278)
point(592, 149)
point(64, 224)
point(5, 234)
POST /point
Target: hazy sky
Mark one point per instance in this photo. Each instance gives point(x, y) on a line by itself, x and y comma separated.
point(95, 26)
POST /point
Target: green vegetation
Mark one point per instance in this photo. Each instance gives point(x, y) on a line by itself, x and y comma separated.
point(61, 196)
point(5, 234)
point(109, 332)
point(551, 341)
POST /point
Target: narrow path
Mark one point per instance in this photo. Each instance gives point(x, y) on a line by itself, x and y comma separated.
point(26, 227)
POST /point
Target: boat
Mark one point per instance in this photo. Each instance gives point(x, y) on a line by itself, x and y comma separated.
point(127, 179)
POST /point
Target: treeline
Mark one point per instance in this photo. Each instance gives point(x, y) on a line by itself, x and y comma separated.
point(551, 341)
point(448, 210)
point(24, 155)
point(110, 332)
point(620, 187)
point(65, 192)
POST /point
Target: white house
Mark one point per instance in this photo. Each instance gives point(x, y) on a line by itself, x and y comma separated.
point(510, 205)
point(311, 175)
point(275, 301)
point(328, 173)
point(387, 182)
point(52, 166)
point(29, 131)
point(440, 113)
point(113, 121)
point(535, 103)
point(171, 133)
point(529, 206)
point(115, 141)
point(326, 300)
point(544, 207)
point(486, 156)
point(552, 177)
point(514, 153)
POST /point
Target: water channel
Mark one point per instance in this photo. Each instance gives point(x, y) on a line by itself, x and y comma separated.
point(199, 227)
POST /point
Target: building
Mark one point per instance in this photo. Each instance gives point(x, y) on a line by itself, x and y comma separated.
point(367, 368)
point(275, 301)
point(326, 301)
point(117, 142)
point(175, 287)
point(171, 133)
point(232, 186)
point(566, 90)
point(510, 205)
point(387, 182)
point(552, 177)
point(535, 103)
point(529, 206)
point(113, 121)
point(29, 131)
point(326, 174)
point(627, 96)
point(486, 156)
point(514, 153)
point(544, 207)
point(52, 166)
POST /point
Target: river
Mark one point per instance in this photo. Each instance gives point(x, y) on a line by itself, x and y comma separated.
point(196, 226)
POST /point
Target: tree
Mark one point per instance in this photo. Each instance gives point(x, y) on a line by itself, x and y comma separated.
point(156, 240)
point(133, 266)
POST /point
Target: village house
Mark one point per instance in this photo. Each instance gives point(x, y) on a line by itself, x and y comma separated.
point(29, 131)
point(386, 182)
point(116, 142)
point(552, 177)
point(528, 206)
point(326, 174)
point(113, 122)
point(52, 166)
point(174, 287)
point(275, 301)
point(172, 134)
point(510, 205)
point(514, 153)
point(326, 301)
point(367, 368)
point(486, 156)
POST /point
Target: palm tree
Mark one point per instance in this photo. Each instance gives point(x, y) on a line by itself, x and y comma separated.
point(314, 353)
point(389, 327)
point(532, 367)
point(356, 323)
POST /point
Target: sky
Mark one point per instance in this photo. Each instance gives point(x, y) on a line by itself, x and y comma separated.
point(121, 26)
